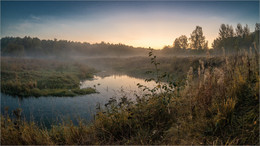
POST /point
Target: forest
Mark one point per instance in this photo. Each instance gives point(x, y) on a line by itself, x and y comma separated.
point(34, 47)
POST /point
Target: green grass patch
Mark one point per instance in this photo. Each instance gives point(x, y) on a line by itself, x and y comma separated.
point(38, 77)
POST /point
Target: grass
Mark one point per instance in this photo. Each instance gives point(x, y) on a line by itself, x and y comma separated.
point(38, 77)
point(131, 66)
point(216, 106)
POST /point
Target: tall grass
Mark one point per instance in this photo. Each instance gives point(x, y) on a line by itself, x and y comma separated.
point(223, 103)
point(216, 105)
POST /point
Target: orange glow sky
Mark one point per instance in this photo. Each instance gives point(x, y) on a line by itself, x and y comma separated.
point(140, 24)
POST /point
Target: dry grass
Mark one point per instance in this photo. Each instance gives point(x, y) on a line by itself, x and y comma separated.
point(216, 106)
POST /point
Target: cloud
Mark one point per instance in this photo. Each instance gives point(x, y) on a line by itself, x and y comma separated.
point(35, 17)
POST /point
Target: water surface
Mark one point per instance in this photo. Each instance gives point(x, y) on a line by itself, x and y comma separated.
point(47, 110)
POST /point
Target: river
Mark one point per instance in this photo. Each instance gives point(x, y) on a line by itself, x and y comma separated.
point(53, 110)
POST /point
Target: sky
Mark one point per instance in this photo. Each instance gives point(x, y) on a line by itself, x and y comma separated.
point(140, 24)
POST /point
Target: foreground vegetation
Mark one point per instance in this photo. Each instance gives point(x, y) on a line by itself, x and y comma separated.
point(216, 105)
point(40, 77)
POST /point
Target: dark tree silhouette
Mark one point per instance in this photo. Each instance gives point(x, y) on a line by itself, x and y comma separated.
point(239, 30)
point(246, 31)
point(197, 39)
point(243, 39)
point(181, 42)
point(226, 31)
point(16, 46)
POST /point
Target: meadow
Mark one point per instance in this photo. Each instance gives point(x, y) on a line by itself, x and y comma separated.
point(140, 66)
point(217, 103)
point(25, 77)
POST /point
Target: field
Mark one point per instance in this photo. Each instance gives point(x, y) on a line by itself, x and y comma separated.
point(218, 103)
point(139, 66)
point(41, 77)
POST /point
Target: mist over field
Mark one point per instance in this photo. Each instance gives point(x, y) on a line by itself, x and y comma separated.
point(130, 73)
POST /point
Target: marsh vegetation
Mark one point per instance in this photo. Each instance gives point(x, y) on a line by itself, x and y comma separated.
point(200, 96)
point(25, 77)
point(216, 105)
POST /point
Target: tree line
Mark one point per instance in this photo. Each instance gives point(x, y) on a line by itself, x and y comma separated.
point(34, 47)
point(229, 40)
point(233, 41)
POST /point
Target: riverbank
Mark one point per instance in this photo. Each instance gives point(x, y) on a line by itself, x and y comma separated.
point(138, 66)
point(42, 77)
point(216, 106)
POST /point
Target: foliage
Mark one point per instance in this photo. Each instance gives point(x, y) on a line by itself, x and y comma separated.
point(226, 31)
point(198, 40)
point(233, 43)
point(222, 105)
point(34, 47)
point(181, 42)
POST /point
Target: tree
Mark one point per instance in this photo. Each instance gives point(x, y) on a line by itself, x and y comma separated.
point(197, 39)
point(246, 31)
point(243, 39)
point(181, 42)
point(239, 30)
point(14, 50)
point(222, 31)
point(206, 45)
point(226, 31)
point(230, 31)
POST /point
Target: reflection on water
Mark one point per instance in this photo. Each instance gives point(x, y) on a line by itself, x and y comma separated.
point(52, 109)
point(116, 85)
